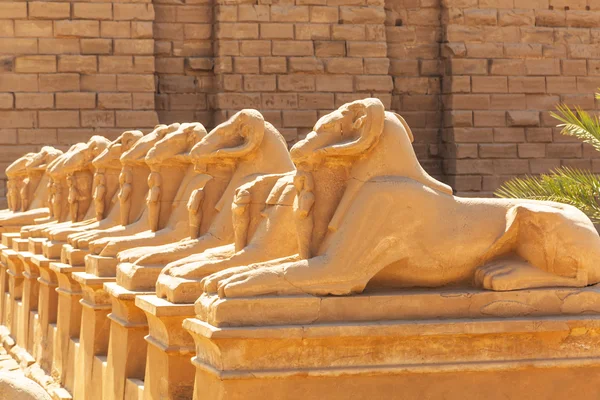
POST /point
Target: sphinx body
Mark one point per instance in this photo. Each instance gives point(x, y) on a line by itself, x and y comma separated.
point(72, 176)
point(395, 226)
point(169, 159)
point(106, 166)
point(234, 153)
point(132, 192)
point(33, 194)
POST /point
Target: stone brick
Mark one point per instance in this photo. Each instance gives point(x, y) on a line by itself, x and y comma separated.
point(145, 101)
point(481, 16)
point(7, 28)
point(133, 11)
point(37, 136)
point(255, 48)
point(249, 65)
point(470, 102)
point(305, 64)
point(194, 14)
point(516, 17)
point(97, 118)
point(59, 82)
point(348, 32)
point(134, 46)
point(362, 15)
point(324, 14)
point(507, 67)
point(485, 50)
point(14, 9)
point(512, 135)
point(542, 67)
point(32, 28)
point(142, 29)
point(532, 150)
point(575, 67)
point(75, 100)
point(523, 118)
point(292, 48)
point(79, 28)
point(96, 46)
point(35, 64)
point(49, 10)
point(17, 119)
point(99, 83)
point(136, 118)
point(116, 64)
point(6, 101)
point(114, 100)
point(135, 83)
point(271, 65)
point(289, 13)
point(34, 100)
point(92, 10)
point(564, 150)
point(77, 64)
point(296, 83)
point(59, 46)
point(313, 32)
point(171, 65)
point(18, 46)
point(583, 19)
point(316, 101)
point(280, 101)
point(252, 13)
point(489, 118)
point(468, 167)
point(373, 83)
point(276, 31)
point(10, 82)
point(115, 29)
point(561, 84)
point(59, 119)
point(377, 66)
point(526, 84)
point(168, 31)
point(489, 84)
point(240, 30)
point(197, 31)
point(366, 49)
point(299, 119)
point(497, 150)
point(258, 83)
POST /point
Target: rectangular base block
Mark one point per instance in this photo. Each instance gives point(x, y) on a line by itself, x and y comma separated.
point(72, 256)
point(19, 244)
point(52, 249)
point(35, 245)
point(406, 345)
point(101, 266)
point(7, 238)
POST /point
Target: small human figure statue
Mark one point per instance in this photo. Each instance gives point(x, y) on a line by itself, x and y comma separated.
point(99, 194)
point(24, 194)
point(49, 198)
point(125, 180)
point(73, 198)
point(194, 207)
point(153, 199)
point(241, 218)
point(11, 195)
point(305, 199)
point(57, 199)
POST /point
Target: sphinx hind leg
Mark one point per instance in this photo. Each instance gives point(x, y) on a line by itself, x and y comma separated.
point(513, 273)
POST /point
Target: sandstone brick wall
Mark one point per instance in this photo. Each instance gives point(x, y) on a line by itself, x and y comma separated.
point(69, 70)
point(507, 64)
point(475, 79)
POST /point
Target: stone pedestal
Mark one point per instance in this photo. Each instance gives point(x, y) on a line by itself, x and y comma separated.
point(3, 284)
point(169, 371)
point(47, 311)
point(127, 347)
point(29, 301)
point(15, 291)
point(72, 256)
point(413, 344)
point(94, 332)
point(36, 245)
point(68, 323)
point(52, 249)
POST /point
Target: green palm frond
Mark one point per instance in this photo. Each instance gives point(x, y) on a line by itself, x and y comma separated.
point(565, 185)
point(579, 123)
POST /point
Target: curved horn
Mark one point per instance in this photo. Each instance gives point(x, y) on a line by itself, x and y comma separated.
point(252, 128)
point(405, 125)
point(367, 115)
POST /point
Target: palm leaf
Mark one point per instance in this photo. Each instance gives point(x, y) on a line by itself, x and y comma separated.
point(565, 185)
point(579, 123)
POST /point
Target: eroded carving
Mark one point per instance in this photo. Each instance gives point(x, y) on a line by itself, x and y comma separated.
point(395, 225)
